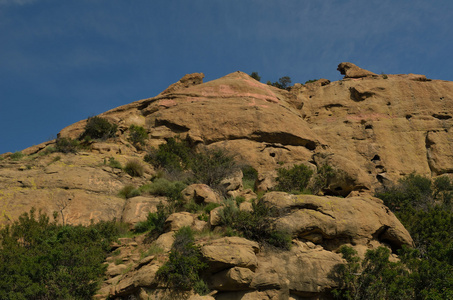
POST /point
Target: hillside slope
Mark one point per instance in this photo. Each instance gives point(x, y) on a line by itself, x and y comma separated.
point(371, 129)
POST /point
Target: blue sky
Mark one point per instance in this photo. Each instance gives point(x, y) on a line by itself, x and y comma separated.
point(65, 60)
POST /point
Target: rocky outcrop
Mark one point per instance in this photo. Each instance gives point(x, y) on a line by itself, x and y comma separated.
point(332, 221)
point(371, 129)
point(349, 70)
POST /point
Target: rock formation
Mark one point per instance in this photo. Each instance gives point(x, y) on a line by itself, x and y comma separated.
point(373, 129)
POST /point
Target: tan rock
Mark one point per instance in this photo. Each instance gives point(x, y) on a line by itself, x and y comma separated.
point(200, 193)
point(352, 71)
point(185, 82)
point(137, 209)
point(300, 270)
point(214, 216)
point(328, 220)
point(229, 252)
point(165, 241)
point(178, 220)
point(145, 276)
point(233, 279)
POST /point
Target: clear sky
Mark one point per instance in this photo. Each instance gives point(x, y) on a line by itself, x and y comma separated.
point(62, 61)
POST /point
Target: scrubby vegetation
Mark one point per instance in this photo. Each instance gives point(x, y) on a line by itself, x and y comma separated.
point(137, 135)
point(17, 155)
point(40, 259)
point(255, 76)
point(155, 221)
point(134, 168)
point(295, 179)
point(256, 225)
point(184, 265)
point(164, 187)
point(67, 145)
point(99, 128)
point(424, 207)
point(179, 162)
point(301, 179)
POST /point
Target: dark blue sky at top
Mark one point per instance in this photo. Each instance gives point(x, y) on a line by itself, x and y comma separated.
point(62, 61)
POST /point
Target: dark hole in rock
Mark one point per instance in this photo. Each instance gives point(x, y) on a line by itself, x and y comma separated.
point(368, 126)
point(376, 158)
point(408, 117)
point(272, 154)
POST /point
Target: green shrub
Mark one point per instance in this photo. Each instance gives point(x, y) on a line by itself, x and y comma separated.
point(211, 166)
point(256, 225)
point(295, 179)
point(67, 145)
point(172, 156)
point(164, 187)
point(137, 135)
point(374, 277)
point(311, 81)
point(17, 155)
point(99, 128)
point(424, 208)
point(255, 76)
point(115, 164)
point(249, 178)
point(129, 191)
point(134, 168)
point(282, 83)
point(155, 221)
point(40, 259)
point(182, 270)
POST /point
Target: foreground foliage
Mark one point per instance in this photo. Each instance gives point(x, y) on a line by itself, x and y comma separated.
point(40, 259)
point(424, 207)
point(182, 270)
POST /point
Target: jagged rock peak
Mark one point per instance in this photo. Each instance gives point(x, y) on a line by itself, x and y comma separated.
point(186, 81)
point(349, 70)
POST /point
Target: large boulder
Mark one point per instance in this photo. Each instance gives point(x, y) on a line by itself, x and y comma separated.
point(332, 221)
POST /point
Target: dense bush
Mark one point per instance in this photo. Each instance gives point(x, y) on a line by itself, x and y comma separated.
point(295, 179)
point(249, 177)
point(137, 135)
point(211, 166)
point(255, 76)
point(155, 221)
point(99, 128)
point(256, 225)
point(182, 270)
point(42, 260)
point(374, 277)
point(282, 83)
point(17, 155)
point(134, 168)
point(171, 156)
point(129, 191)
point(164, 187)
point(426, 272)
point(179, 161)
point(114, 163)
point(67, 145)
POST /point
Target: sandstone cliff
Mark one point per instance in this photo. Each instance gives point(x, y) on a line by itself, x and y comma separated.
point(373, 129)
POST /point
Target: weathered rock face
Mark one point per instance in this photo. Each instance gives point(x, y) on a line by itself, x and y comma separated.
point(372, 129)
point(332, 221)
